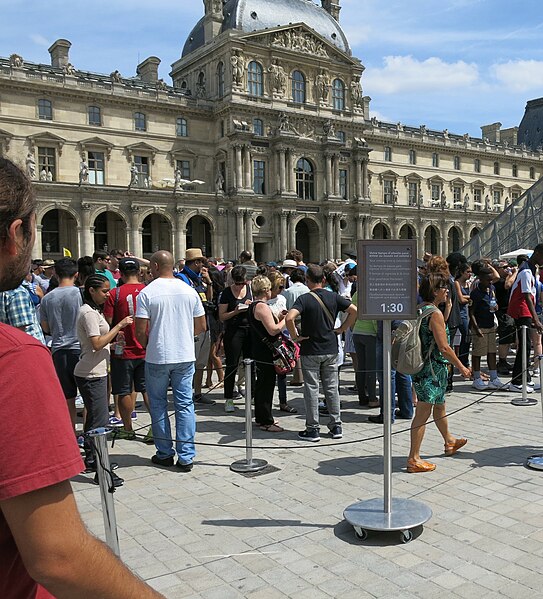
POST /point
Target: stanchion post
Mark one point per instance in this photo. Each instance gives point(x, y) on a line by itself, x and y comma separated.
point(248, 464)
point(525, 400)
point(387, 415)
point(540, 360)
point(103, 469)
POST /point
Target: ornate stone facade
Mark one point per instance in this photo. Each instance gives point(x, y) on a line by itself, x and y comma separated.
point(264, 142)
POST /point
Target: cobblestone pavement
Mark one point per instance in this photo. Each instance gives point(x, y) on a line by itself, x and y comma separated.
point(215, 534)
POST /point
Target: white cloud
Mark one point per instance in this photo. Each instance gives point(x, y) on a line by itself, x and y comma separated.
point(519, 75)
point(405, 73)
point(40, 40)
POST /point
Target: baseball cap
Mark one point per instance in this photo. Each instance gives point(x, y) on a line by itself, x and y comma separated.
point(128, 264)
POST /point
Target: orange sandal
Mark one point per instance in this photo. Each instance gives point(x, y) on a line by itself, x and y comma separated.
point(452, 448)
point(419, 466)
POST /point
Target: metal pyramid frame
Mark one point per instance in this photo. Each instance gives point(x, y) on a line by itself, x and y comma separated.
point(520, 225)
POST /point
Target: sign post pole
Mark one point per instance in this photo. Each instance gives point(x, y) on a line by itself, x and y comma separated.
point(387, 299)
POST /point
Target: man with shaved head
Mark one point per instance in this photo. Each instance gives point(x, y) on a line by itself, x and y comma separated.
point(169, 314)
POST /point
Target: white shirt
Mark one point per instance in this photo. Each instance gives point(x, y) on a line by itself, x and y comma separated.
point(170, 305)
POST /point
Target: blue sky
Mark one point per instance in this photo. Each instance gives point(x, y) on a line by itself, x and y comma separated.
point(455, 64)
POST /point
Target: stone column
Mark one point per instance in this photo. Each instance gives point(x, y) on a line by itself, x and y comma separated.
point(180, 234)
point(291, 178)
point(239, 231)
point(365, 180)
point(283, 237)
point(135, 231)
point(282, 174)
point(248, 168)
point(360, 227)
point(221, 230)
point(291, 231)
point(238, 167)
point(249, 230)
point(358, 178)
point(37, 251)
point(329, 236)
point(444, 239)
point(87, 242)
point(336, 177)
point(337, 243)
point(329, 180)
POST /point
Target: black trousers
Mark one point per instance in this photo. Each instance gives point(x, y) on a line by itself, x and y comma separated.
point(94, 394)
point(263, 390)
point(237, 343)
point(517, 367)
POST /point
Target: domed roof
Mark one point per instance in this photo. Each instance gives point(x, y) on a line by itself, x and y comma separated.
point(255, 15)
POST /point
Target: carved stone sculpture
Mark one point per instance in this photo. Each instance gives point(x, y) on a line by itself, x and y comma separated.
point(201, 87)
point(83, 172)
point(15, 60)
point(278, 78)
point(219, 182)
point(161, 85)
point(43, 175)
point(31, 166)
point(134, 176)
point(296, 39)
point(116, 76)
point(328, 128)
point(69, 69)
point(322, 83)
point(238, 68)
point(356, 92)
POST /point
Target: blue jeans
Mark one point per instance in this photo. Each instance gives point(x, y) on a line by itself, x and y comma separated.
point(399, 383)
point(158, 377)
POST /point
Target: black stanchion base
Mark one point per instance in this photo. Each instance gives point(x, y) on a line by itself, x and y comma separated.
point(524, 402)
point(248, 465)
point(370, 515)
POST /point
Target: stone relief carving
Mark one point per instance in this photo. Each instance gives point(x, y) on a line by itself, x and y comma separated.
point(296, 39)
point(31, 166)
point(328, 128)
point(322, 84)
point(305, 128)
point(356, 92)
point(278, 78)
point(15, 60)
point(238, 67)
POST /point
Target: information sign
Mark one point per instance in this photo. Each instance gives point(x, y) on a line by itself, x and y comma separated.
point(387, 279)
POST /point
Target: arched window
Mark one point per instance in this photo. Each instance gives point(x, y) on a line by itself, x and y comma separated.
point(388, 154)
point(338, 94)
point(95, 116)
point(412, 157)
point(45, 110)
point(255, 79)
point(305, 179)
point(514, 170)
point(456, 163)
point(220, 79)
point(298, 87)
point(532, 172)
point(181, 128)
point(140, 121)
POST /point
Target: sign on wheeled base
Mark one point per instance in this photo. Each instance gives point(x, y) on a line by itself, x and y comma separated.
point(534, 462)
point(369, 515)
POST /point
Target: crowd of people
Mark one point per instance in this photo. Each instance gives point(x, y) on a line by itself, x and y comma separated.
point(115, 325)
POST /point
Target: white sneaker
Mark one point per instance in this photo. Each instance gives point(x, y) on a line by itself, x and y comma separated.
point(518, 388)
point(479, 385)
point(229, 406)
point(79, 402)
point(497, 384)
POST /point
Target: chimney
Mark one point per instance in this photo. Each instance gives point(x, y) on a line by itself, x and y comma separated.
point(213, 19)
point(332, 7)
point(148, 69)
point(492, 132)
point(60, 53)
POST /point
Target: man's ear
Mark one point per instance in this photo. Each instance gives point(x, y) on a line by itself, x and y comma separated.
point(14, 239)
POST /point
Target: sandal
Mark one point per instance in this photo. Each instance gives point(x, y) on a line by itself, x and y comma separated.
point(272, 428)
point(452, 448)
point(419, 466)
point(284, 407)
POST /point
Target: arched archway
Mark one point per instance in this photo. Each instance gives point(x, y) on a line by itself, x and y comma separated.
point(307, 239)
point(431, 240)
point(58, 231)
point(407, 232)
point(380, 231)
point(156, 234)
point(110, 231)
point(473, 232)
point(454, 239)
point(199, 234)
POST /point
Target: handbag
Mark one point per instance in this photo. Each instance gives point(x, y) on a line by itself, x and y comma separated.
point(285, 352)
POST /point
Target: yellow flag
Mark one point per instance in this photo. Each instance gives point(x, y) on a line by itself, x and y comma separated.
point(66, 253)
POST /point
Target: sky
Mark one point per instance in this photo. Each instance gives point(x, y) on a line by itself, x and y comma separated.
point(448, 64)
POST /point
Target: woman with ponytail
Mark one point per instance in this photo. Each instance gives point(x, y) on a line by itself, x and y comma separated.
point(91, 371)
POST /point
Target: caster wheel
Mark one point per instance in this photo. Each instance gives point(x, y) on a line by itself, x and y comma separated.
point(361, 534)
point(407, 536)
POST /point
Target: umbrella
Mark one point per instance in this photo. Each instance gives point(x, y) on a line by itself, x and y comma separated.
point(516, 253)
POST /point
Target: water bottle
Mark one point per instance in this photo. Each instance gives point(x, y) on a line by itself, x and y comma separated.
point(120, 344)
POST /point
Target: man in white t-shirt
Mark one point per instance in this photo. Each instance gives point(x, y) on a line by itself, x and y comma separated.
point(169, 314)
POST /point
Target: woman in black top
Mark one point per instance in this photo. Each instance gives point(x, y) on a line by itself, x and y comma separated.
point(264, 327)
point(233, 305)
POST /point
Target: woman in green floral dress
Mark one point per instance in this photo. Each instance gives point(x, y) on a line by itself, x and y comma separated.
point(431, 382)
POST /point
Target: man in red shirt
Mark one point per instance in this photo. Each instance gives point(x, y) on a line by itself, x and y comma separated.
point(127, 355)
point(522, 309)
point(45, 549)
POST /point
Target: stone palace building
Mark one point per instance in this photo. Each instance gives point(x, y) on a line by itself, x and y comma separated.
point(262, 141)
